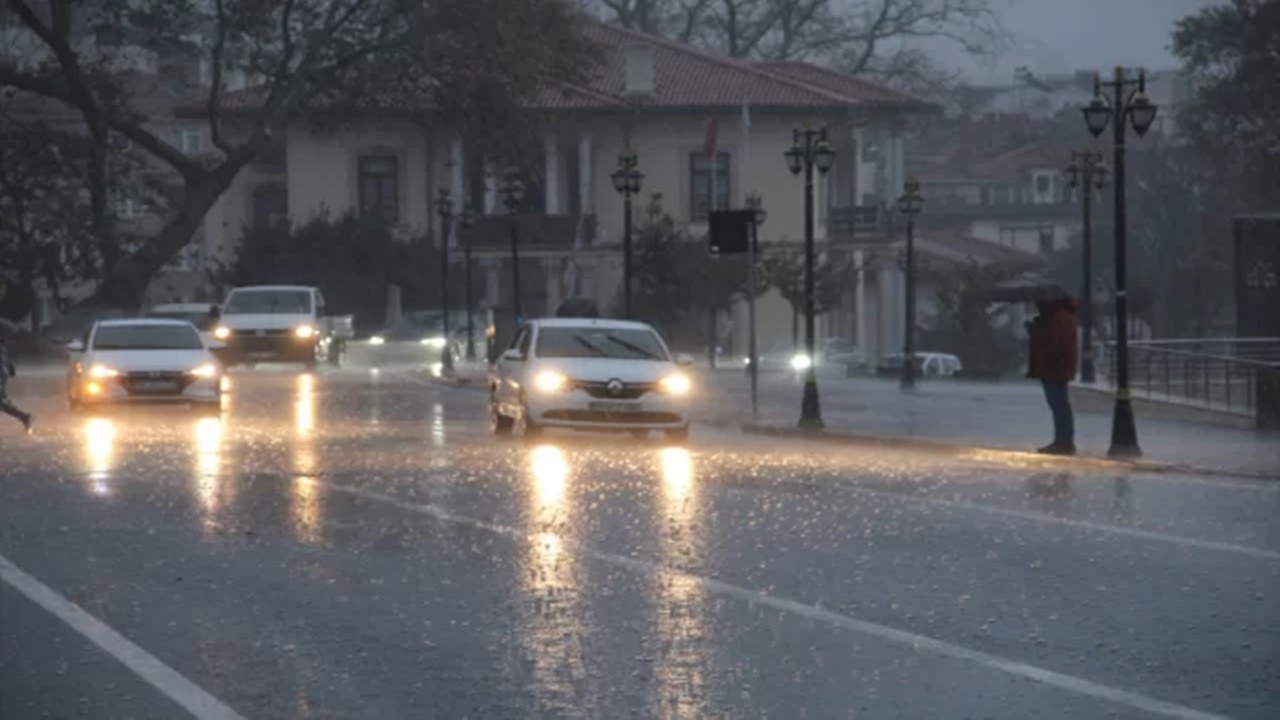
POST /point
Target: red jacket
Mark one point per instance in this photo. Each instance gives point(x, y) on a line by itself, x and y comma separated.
point(1054, 346)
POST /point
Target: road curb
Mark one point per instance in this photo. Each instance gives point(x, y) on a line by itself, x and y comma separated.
point(972, 452)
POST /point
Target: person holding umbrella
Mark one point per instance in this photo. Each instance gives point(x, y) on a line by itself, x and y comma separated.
point(7, 370)
point(1053, 362)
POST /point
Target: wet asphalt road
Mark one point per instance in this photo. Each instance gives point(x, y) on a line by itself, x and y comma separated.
point(353, 545)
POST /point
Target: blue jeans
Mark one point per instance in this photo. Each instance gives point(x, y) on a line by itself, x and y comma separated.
point(1064, 422)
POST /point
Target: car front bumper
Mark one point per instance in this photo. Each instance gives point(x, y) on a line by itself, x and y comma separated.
point(247, 346)
point(578, 409)
point(129, 391)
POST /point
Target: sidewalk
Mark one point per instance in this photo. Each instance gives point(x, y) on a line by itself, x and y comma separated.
point(1004, 416)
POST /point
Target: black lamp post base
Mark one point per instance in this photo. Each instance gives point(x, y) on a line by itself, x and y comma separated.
point(810, 409)
point(1124, 432)
point(907, 383)
point(446, 361)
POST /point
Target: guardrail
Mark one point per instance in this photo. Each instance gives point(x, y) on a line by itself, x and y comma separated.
point(1219, 374)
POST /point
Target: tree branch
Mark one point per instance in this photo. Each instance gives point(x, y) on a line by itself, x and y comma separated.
point(213, 106)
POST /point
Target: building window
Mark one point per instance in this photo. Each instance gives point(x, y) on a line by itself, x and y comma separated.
point(380, 188)
point(192, 142)
point(700, 184)
point(270, 207)
point(1043, 185)
point(1046, 241)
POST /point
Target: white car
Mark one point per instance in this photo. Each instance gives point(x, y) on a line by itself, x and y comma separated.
point(589, 374)
point(143, 360)
point(202, 315)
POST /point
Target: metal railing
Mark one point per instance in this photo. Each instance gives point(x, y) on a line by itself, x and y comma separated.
point(1218, 374)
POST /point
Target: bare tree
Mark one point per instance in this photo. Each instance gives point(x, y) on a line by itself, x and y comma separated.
point(299, 55)
point(876, 38)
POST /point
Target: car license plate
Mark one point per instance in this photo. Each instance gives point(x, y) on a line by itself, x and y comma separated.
point(261, 354)
point(615, 407)
point(156, 386)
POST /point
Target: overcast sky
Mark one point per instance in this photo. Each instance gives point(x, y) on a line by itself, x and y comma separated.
point(1066, 35)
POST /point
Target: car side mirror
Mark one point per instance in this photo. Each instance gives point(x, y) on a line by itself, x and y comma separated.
point(684, 360)
point(513, 355)
point(215, 313)
point(75, 346)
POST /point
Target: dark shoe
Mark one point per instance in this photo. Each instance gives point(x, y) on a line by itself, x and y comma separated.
point(1058, 449)
point(28, 422)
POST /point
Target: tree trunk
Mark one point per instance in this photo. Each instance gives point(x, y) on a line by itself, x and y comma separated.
point(127, 281)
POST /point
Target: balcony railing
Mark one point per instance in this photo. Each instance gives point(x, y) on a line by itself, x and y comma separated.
point(964, 208)
point(536, 232)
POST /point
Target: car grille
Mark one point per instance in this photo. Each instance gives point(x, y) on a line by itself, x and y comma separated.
point(259, 333)
point(628, 418)
point(629, 391)
point(135, 383)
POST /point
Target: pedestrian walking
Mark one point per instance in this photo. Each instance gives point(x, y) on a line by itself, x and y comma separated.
point(1053, 362)
point(7, 370)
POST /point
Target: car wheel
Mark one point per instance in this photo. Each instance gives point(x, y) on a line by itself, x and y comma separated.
point(207, 409)
point(501, 424)
point(678, 435)
point(74, 405)
point(639, 434)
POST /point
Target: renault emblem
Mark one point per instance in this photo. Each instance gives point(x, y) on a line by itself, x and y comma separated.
point(615, 386)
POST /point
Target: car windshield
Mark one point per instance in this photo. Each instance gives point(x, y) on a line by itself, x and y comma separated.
point(268, 302)
point(146, 337)
point(591, 342)
point(202, 320)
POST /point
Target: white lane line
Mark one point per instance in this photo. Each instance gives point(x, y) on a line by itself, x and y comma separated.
point(172, 685)
point(1032, 516)
point(912, 640)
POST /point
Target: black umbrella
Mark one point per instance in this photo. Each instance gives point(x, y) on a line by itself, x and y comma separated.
point(1029, 288)
point(578, 307)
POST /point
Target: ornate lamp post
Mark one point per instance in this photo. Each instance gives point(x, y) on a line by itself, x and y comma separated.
point(468, 222)
point(1089, 173)
point(627, 180)
point(756, 204)
point(1128, 103)
point(444, 208)
point(809, 150)
point(512, 196)
point(910, 203)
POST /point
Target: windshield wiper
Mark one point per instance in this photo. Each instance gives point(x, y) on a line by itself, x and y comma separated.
point(590, 346)
point(632, 347)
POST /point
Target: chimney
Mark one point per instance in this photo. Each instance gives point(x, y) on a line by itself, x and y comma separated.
point(638, 77)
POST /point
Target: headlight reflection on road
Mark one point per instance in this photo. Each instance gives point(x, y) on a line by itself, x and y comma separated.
point(208, 466)
point(677, 475)
point(305, 405)
point(99, 445)
point(550, 477)
point(680, 617)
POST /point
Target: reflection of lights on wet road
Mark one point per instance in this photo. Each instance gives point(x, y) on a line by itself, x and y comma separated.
point(437, 425)
point(550, 475)
point(99, 445)
point(304, 405)
point(677, 474)
point(305, 507)
point(208, 466)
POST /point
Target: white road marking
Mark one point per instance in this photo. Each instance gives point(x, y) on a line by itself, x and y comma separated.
point(172, 685)
point(1032, 516)
point(912, 640)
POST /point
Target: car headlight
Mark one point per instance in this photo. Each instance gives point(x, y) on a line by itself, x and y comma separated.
point(222, 332)
point(304, 331)
point(207, 370)
point(102, 371)
point(677, 384)
point(377, 340)
point(801, 362)
point(435, 342)
point(549, 381)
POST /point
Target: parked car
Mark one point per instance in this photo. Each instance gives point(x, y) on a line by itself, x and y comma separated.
point(419, 338)
point(280, 323)
point(927, 364)
point(76, 322)
point(589, 374)
point(143, 360)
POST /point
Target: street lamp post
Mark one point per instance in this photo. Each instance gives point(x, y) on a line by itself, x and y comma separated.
point(468, 223)
point(512, 196)
point(809, 150)
point(910, 203)
point(1128, 102)
point(444, 208)
point(1089, 173)
point(756, 204)
point(626, 180)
